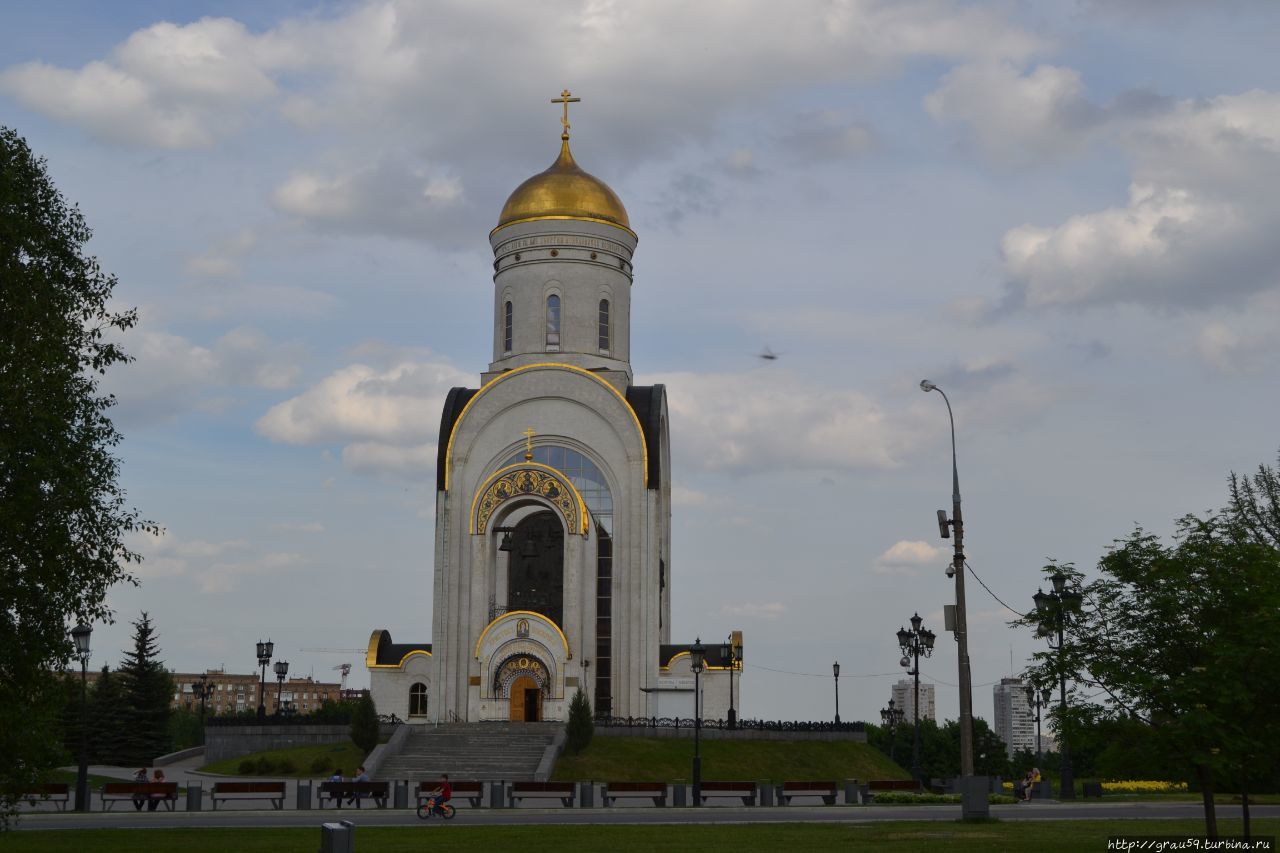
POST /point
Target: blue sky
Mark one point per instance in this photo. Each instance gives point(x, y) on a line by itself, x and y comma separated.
point(1062, 213)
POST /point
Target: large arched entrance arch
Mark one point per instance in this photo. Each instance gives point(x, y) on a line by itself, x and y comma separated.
point(523, 680)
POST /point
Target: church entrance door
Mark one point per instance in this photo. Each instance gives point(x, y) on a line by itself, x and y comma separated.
point(526, 700)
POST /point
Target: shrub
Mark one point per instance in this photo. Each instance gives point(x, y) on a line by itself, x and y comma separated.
point(286, 766)
point(264, 765)
point(246, 767)
point(320, 764)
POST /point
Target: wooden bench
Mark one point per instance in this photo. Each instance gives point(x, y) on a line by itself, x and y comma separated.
point(826, 790)
point(472, 792)
point(746, 791)
point(273, 791)
point(656, 791)
point(336, 792)
point(114, 792)
point(562, 791)
point(57, 793)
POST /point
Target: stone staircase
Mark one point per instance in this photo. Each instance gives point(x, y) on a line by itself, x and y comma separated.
point(497, 750)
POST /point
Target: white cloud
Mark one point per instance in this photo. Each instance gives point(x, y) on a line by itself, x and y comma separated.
point(225, 576)
point(1203, 203)
point(297, 527)
point(166, 86)
point(1010, 115)
point(386, 418)
point(170, 374)
point(750, 610)
point(775, 420)
point(905, 555)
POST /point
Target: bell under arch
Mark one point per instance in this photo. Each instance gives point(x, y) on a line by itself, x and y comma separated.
point(535, 565)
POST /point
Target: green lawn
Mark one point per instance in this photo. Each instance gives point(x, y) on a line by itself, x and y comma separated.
point(299, 762)
point(639, 759)
point(69, 776)
point(908, 836)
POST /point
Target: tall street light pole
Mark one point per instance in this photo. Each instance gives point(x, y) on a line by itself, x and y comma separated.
point(727, 655)
point(957, 569)
point(80, 634)
point(835, 673)
point(892, 717)
point(915, 643)
point(697, 655)
point(1054, 608)
point(264, 658)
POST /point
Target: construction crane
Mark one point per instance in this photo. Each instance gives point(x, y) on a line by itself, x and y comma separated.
point(333, 651)
point(346, 670)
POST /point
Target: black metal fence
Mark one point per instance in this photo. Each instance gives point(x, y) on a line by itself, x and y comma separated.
point(337, 717)
point(755, 725)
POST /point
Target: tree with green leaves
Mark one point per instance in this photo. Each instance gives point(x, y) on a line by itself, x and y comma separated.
point(581, 727)
point(63, 518)
point(1177, 638)
point(148, 690)
point(364, 723)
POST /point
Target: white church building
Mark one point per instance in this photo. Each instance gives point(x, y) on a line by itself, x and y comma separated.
point(553, 494)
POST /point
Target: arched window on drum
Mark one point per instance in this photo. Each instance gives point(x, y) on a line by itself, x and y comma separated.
point(418, 700)
point(604, 325)
point(553, 322)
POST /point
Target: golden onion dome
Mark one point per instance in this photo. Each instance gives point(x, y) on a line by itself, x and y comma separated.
point(564, 191)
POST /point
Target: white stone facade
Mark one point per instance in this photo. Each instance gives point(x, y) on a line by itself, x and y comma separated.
point(552, 562)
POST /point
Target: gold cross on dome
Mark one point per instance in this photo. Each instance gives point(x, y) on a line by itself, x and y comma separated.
point(564, 120)
point(528, 444)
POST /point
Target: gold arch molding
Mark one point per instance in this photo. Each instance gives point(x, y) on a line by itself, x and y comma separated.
point(543, 365)
point(529, 480)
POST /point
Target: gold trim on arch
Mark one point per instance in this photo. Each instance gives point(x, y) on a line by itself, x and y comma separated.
point(448, 453)
point(371, 656)
point(705, 666)
point(478, 523)
point(511, 613)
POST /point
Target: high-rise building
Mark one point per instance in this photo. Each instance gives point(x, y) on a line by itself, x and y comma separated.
point(904, 696)
point(1015, 720)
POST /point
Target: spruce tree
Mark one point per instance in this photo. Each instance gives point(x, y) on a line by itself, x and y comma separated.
point(148, 690)
point(581, 727)
point(106, 721)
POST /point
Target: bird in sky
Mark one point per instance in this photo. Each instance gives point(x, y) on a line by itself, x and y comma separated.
point(767, 354)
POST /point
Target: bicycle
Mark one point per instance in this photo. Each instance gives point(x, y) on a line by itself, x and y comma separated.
point(444, 810)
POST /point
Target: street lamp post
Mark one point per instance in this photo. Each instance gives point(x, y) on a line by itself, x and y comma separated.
point(80, 634)
point(264, 658)
point(697, 656)
point(892, 717)
point(1053, 609)
point(961, 621)
point(915, 643)
point(835, 672)
point(203, 691)
point(282, 669)
point(1038, 701)
point(727, 655)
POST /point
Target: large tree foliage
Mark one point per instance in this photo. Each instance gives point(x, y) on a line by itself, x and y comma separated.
point(1179, 638)
point(147, 691)
point(1255, 503)
point(62, 513)
point(107, 716)
point(364, 723)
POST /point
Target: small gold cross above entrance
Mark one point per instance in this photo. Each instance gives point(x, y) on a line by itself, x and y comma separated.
point(564, 120)
point(528, 444)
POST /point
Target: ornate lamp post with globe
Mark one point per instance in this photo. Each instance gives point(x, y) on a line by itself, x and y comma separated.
point(916, 643)
point(697, 657)
point(891, 717)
